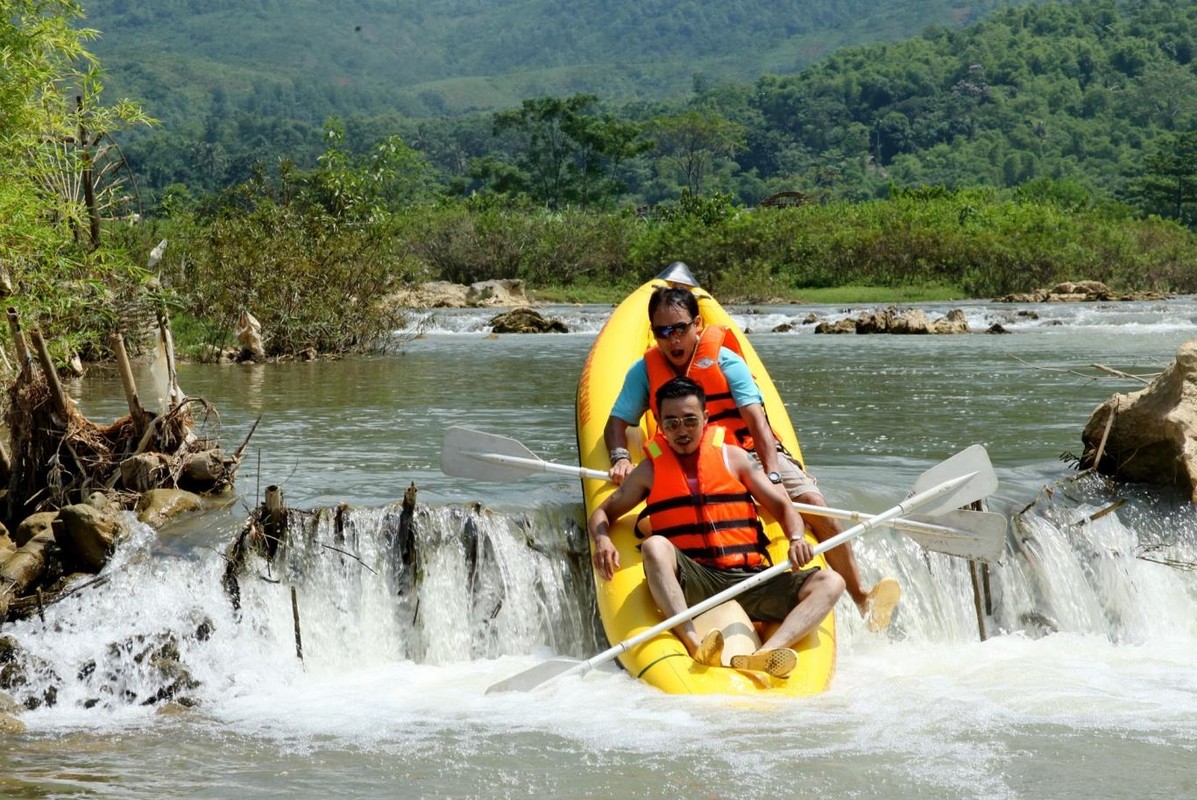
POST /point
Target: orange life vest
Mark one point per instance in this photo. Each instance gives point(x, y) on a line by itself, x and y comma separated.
point(704, 370)
point(717, 525)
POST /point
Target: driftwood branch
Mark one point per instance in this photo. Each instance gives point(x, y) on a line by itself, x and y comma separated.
point(1100, 367)
point(1120, 374)
point(57, 395)
point(240, 449)
point(18, 339)
point(136, 412)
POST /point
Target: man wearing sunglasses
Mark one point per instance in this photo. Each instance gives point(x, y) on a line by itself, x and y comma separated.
point(685, 347)
point(705, 536)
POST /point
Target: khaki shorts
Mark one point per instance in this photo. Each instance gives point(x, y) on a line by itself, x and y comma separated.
point(769, 602)
point(796, 481)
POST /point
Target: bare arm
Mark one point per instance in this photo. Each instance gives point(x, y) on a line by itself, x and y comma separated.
point(618, 503)
point(762, 435)
point(615, 435)
point(775, 500)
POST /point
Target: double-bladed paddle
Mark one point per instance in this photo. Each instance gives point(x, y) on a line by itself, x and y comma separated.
point(962, 479)
point(975, 535)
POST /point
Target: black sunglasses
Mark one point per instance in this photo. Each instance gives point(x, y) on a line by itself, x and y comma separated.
point(665, 331)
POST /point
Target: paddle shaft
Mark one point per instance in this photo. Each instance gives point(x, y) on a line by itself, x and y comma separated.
point(905, 507)
point(539, 465)
point(911, 525)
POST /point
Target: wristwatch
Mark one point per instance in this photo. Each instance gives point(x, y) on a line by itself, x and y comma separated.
point(774, 476)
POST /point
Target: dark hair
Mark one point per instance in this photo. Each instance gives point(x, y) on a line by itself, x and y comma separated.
point(681, 387)
point(673, 296)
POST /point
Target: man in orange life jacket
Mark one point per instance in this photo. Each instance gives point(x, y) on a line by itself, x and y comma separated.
point(685, 347)
point(705, 535)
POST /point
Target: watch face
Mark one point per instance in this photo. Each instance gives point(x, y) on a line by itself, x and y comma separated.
point(775, 477)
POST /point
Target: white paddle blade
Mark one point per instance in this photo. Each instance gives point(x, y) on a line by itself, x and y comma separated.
point(983, 483)
point(531, 678)
point(975, 535)
point(473, 454)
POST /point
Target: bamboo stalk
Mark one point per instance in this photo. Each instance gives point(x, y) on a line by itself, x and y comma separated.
point(1105, 434)
point(168, 346)
point(18, 339)
point(122, 361)
point(274, 501)
point(275, 524)
point(43, 354)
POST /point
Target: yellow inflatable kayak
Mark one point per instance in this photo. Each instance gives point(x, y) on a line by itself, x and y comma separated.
point(625, 605)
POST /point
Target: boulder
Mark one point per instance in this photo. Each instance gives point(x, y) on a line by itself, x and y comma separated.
point(88, 535)
point(8, 705)
point(505, 292)
point(32, 525)
point(526, 320)
point(157, 506)
point(1078, 292)
point(894, 320)
point(1153, 433)
point(6, 542)
point(844, 325)
point(443, 294)
point(953, 323)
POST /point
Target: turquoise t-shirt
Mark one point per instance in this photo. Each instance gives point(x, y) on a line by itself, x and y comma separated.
point(633, 397)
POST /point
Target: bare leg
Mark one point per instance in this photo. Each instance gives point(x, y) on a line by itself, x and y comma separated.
point(660, 568)
point(841, 559)
point(816, 598)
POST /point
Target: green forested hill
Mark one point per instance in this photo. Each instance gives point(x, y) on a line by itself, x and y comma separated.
point(1077, 91)
point(307, 59)
point(1095, 93)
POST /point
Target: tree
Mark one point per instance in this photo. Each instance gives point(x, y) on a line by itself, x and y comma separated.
point(363, 188)
point(565, 150)
point(1168, 185)
point(53, 153)
point(691, 143)
point(39, 46)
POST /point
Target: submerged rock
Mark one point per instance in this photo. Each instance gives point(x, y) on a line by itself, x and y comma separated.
point(526, 320)
point(1078, 292)
point(1153, 432)
point(159, 505)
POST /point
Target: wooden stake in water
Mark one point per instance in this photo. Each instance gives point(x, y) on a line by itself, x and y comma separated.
point(295, 617)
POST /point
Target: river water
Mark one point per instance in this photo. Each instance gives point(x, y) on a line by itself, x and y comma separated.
point(1084, 688)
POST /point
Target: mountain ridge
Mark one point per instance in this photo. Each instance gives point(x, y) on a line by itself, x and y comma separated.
point(454, 56)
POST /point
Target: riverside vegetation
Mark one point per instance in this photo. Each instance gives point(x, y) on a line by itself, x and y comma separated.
point(312, 252)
